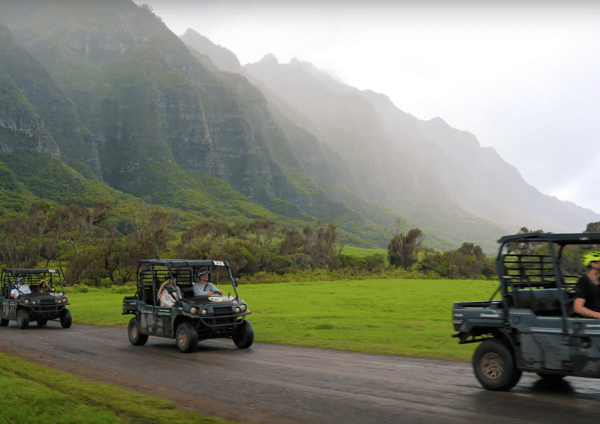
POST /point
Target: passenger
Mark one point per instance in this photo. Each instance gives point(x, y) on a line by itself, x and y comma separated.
point(203, 287)
point(45, 287)
point(169, 292)
point(21, 288)
point(587, 290)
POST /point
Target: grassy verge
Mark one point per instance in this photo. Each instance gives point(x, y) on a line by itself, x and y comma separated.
point(396, 317)
point(37, 394)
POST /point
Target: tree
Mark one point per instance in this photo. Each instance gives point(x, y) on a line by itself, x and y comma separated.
point(593, 227)
point(320, 246)
point(526, 248)
point(402, 250)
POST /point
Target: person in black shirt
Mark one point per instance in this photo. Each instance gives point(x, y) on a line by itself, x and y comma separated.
point(587, 290)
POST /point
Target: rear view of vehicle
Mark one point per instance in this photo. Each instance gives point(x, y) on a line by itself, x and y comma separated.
point(33, 295)
point(204, 304)
point(533, 327)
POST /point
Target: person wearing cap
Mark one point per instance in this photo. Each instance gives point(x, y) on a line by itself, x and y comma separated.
point(169, 292)
point(20, 289)
point(587, 290)
point(203, 287)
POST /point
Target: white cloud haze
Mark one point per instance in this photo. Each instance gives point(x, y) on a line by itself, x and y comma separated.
point(524, 77)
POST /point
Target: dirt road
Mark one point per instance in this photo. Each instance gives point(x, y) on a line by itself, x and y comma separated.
point(275, 384)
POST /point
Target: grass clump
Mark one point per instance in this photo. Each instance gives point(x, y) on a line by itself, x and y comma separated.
point(35, 394)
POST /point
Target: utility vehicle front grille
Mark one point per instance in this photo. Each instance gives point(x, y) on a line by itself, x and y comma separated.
point(223, 310)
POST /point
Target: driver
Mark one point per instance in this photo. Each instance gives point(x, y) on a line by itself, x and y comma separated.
point(203, 287)
point(587, 290)
point(169, 292)
point(21, 288)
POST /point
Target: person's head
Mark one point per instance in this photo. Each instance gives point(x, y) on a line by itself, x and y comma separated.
point(203, 276)
point(590, 258)
point(20, 280)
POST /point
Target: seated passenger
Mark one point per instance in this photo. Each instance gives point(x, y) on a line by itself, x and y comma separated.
point(587, 290)
point(169, 292)
point(203, 287)
point(20, 289)
point(45, 287)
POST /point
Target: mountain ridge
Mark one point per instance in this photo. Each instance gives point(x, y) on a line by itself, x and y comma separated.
point(141, 115)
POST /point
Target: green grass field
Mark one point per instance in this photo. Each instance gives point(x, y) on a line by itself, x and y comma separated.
point(395, 317)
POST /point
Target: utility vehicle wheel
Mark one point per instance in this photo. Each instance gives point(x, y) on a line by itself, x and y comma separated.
point(133, 331)
point(65, 318)
point(551, 378)
point(494, 365)
point(41, 322)
point(186, 337)
point(22, 318)
point(3, 322)
point(244, 339)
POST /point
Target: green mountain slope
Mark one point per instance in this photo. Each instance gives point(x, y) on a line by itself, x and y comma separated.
point(145, 119)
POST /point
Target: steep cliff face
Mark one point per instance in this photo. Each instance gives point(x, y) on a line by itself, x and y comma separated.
point(21, 129)
point(50, 104)
point(146, 99)
point(220, 56)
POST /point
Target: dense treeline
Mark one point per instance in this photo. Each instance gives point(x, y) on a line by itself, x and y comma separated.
point(76, 238)
point(94, 252)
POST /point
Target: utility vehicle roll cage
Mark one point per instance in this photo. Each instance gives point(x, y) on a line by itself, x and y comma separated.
point(537, 281)
point(152, 272)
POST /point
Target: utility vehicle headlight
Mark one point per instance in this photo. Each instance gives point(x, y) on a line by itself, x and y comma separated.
point(34, 302)
point(193, 310)
point(204, 312)
point(27, 301)
point(237, 310)
point(243, 308)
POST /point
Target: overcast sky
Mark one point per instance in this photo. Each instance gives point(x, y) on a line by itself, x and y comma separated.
point(524, 76)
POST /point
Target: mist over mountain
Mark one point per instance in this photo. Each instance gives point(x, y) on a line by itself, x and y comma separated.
point(100, 100)
point(410, 157)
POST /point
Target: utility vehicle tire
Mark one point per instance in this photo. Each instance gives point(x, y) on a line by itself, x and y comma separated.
point(246, 336)
point(65, 318)
point(22, 318)
point(550, 378)
point(494, 365)
point(41, 322)
point(133, 331)
point(3, 322)
point(186, 337)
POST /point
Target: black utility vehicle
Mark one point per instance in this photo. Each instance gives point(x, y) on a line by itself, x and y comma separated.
point(28, 295)
point(533, 327)
point(192, 318)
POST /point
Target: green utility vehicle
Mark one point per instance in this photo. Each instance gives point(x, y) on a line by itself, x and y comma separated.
point(207, 311)
point(28, 295)
point(532, 327)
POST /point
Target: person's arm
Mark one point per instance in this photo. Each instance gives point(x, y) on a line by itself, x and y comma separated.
point(579, 308)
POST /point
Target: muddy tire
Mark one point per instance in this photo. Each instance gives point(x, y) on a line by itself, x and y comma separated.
point(134, 332)
point(65, 318)
point(246, 336)
point(22, 319)
point(186, 337)
point(494, 365)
